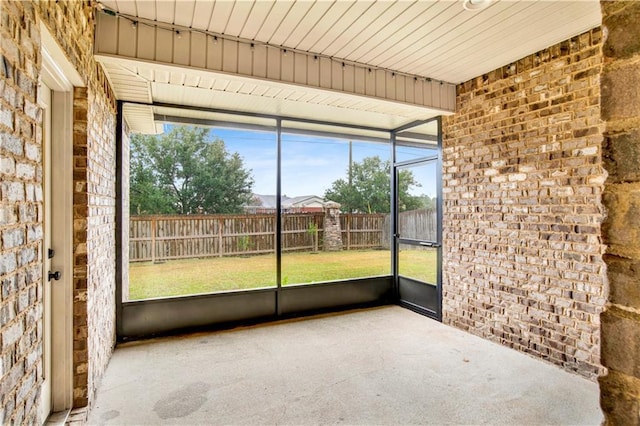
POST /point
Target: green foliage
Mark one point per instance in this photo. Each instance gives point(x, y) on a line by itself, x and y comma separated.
point(312, 230)
point(370, 188)
point(428, 202)
point(181, 172)
point(244, 243)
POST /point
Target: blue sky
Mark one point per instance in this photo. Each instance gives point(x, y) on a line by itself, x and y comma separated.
point(309, 164)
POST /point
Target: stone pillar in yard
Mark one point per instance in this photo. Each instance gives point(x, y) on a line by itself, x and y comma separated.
point(332, 230)
point(620, 110)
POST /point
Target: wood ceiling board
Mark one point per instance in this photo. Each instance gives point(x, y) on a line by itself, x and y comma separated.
point(202, 12)
point(319, 8)
point(405, 31)
point(184, 13)
point(471, 43)
point(375, 45)
point(165, 10)
point(451, 19)
point(364, 21)
point(110, 4)
point(270, 24)
point(472, 47)
point(239, 16)
point(147, 9)
point(290, 22)
point(127, 7)
point(349, 45)
point(220, 17)
point(407, 37)
point(326, 44)
point(460, 72)
point(254, 21)
point(474, 37)
point(335, 12)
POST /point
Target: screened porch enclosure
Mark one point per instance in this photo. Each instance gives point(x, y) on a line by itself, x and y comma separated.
point(296, 216)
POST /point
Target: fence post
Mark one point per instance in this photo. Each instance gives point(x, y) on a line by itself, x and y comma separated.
point(220, 235)
point(153, 239)
point(348, 223)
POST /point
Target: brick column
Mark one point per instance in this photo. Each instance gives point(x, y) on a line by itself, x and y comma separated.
point(332, 230)
point(620, 388)
point(80, 255)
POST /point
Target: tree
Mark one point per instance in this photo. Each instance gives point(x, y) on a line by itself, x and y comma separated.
point(370, 190)
point(181, 172)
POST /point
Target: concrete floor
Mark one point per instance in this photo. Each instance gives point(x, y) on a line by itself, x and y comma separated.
point(377, 366)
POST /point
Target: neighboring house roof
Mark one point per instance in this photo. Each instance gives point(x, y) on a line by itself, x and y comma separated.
point(303, 201)
point(269, 201)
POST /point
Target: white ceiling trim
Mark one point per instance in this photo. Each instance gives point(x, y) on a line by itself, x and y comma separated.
point(193, 87)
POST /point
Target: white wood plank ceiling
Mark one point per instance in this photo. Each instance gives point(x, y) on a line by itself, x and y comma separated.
point(437, 39)
point(429, 44)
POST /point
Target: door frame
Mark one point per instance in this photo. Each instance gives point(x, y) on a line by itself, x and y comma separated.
point(59, 75)
point(412, 284)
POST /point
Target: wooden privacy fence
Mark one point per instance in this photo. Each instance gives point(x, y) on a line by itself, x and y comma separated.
point(420, 224)
point(153, 238)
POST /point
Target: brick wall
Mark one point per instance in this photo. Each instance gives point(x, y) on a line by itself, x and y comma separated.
point(20, 217)
point(71, 23)
point(522, 189)
point(620, 388)
point(101, 233)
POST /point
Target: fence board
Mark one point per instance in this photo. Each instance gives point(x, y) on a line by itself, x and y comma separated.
point(155, 238)
point(421, 224)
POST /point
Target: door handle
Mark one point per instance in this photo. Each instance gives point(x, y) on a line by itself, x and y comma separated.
point(54, 275)
point(428, 244)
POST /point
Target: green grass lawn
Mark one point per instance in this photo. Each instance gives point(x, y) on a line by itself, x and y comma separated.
point(194, 276)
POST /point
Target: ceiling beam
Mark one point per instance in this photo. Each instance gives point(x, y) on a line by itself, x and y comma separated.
point(119, 36)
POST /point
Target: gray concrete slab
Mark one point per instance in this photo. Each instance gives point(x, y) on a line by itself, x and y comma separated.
point(377, 366)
